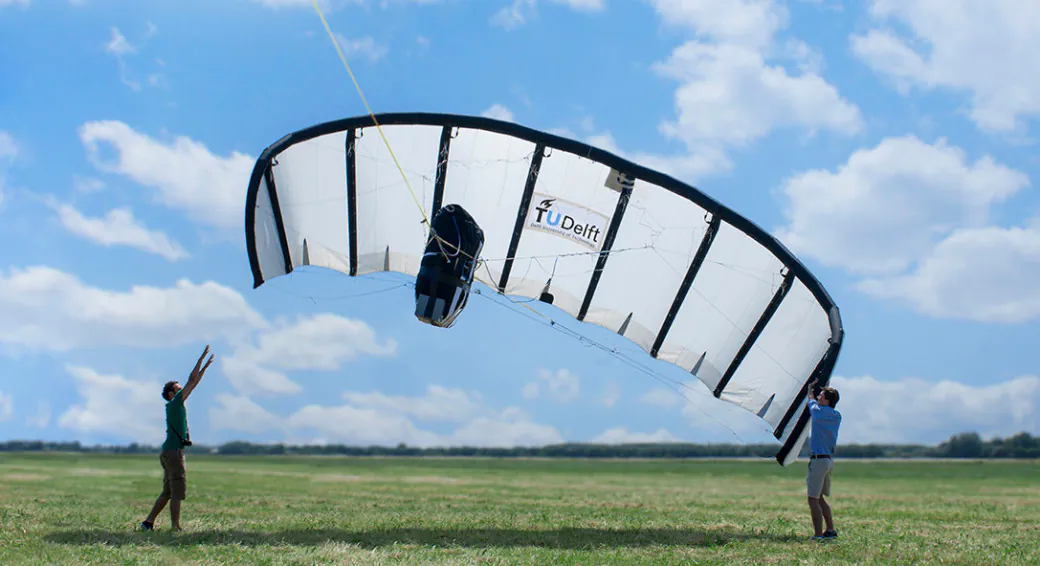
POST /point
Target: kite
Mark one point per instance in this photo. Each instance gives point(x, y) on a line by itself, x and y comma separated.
point(454, 200)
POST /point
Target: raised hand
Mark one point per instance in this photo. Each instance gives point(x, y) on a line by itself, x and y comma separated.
point(197, 371)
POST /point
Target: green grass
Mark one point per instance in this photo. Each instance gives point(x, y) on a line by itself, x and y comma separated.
point(83, 509)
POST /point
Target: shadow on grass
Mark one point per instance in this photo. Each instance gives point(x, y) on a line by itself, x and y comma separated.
point(568, 538)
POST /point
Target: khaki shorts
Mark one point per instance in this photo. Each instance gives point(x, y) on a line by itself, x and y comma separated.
point(175, 474)
point(818, 478)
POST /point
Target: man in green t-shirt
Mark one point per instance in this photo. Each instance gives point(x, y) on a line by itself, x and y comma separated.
point(175, 481)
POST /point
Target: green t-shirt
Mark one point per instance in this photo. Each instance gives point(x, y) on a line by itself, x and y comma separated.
point(176, 423)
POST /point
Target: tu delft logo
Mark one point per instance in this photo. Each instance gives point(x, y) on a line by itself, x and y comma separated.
point(556, 217)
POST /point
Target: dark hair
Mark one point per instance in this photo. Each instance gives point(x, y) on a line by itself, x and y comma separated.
point(832, 395)
point(167, 389)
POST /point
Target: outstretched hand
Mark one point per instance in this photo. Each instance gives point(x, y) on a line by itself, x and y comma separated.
point(197, 373)
point(200, 369)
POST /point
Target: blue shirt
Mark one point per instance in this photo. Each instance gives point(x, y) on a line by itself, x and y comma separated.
point(825, 423)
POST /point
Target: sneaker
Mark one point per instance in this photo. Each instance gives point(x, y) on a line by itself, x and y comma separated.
point(818, 538)
point(146, 526)
point(830, 534)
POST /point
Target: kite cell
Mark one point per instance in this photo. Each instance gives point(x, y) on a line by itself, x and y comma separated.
point(529, 214)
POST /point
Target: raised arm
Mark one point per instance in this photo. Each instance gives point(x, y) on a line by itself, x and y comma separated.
point(196, 374)
point(813, 403)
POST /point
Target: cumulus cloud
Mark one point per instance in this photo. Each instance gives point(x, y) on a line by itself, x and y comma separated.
point(984, 274)
point(621, 435)
point(184, 173)
point(43, 308)
point(241, 414)
point(914, 220)
point(374, 418)
point(119, 227)
point(985, 49)
point(733, 88)
point(915, 410)
point(113, 404)
point(319, 342)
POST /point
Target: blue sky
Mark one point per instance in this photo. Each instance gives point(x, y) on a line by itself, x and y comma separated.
point(890, 144)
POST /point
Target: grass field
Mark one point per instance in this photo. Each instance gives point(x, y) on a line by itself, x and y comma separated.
point(83, 509)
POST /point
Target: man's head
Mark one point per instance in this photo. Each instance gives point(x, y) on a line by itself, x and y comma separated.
point(170, 389)
point(828, 397)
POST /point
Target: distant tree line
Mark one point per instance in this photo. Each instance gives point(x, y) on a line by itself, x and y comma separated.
point(964, 445)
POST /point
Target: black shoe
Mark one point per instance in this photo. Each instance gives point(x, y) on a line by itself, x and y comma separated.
point(830, 534)
point(146, 526)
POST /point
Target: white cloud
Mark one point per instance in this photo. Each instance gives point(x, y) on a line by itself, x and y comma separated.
point(499, 112)
point(889, 205)
point(22, 3)
point(621, 435)
point(983, 274)
point(561, 386)
point(116, 405)
point(346, 423)
point(987, 49)
point(119, 228)
point(118, 45)
point(914, 410)
point(238, 413)
point(319, 342)
point(914, 220)
point(520, 11)
point(366, 47)
point(506, 429)
point(439, 404)
point(47, 309)
point(732, 89)
point(750, 23)
point(376, 418)
point(729, 95)
point(184, 173)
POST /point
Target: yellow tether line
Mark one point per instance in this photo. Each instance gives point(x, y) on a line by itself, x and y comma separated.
point(380, 129)
point(370, 113)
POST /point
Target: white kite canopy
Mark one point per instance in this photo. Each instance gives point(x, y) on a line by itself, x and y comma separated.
point(616, 244)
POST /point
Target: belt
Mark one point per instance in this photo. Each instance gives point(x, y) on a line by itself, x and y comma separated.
point(815, 456)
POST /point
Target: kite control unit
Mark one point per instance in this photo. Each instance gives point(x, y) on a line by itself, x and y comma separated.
point(453, 201)
point(446, 270)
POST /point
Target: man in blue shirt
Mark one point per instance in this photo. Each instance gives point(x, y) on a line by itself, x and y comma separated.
point(822, 440)
point(175, 482)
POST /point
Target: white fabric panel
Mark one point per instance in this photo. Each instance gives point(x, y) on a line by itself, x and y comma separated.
point(570, 197)
point(387, 213)
point(486, 174)
point(312, 194)
point(783, 357)
point(265, 233)
point(731, 291)
point(657, 239)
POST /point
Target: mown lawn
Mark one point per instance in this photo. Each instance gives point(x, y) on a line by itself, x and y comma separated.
point(83, 509)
